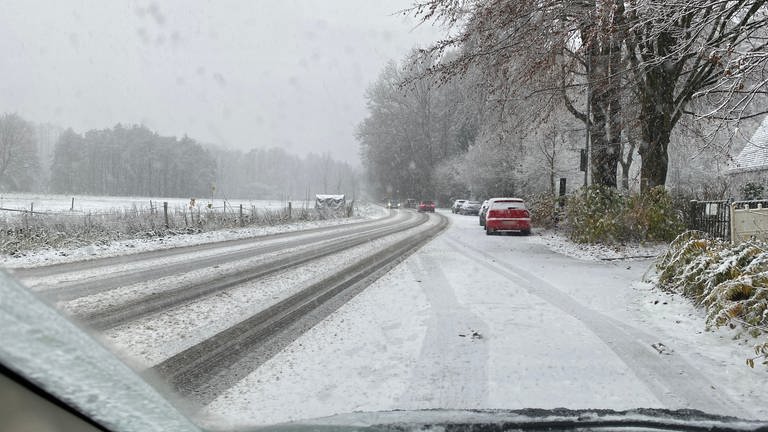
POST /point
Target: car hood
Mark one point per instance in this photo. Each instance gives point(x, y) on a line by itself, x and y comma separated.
point(532, 419)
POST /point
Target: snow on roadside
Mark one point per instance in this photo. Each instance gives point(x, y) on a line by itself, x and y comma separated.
point(680, 326)
point(126, 247)
point(558, 242)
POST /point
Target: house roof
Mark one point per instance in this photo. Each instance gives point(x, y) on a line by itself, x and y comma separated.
point(754, 156)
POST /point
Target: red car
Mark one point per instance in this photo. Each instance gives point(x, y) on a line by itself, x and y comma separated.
point(427, 206)
point(507, 214)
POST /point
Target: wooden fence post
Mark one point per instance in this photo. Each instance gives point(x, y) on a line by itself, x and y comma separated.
point(289, 210)
point(72, 207)
point(242, 221)
point(165, 211)
point(692, 213)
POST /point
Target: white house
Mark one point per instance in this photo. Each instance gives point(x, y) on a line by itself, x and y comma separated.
point(751, 164)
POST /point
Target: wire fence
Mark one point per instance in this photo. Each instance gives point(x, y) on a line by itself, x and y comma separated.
point(25, 230)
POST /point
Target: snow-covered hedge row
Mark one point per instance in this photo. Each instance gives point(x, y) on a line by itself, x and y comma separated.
point(603, 215)
point(730, 281)
point(543, 209)
point(39, 231)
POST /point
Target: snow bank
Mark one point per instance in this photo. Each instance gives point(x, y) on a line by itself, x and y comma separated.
point(558, 242)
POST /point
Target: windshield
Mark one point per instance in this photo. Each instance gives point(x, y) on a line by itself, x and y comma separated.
point(254, 205)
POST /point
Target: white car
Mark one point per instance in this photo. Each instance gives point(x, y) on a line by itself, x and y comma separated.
point(470, 208)
point(457, 205)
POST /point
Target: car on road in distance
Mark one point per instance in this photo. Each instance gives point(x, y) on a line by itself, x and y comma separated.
point(470, 208)
point(507, 215)
point(457, 205)
point(411, 203)
point(393, 204)
point(427, 206)
point(483, 210)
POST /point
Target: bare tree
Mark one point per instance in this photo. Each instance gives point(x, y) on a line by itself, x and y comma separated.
point(682, 51)
point(676, 53)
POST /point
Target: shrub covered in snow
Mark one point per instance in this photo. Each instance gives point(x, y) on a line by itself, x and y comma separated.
point(595, 215)
point(730, 281)
point(544, 210)
point(602, 215)
point(652, 216)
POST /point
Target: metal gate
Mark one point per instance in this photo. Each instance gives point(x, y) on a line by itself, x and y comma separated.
point(712, 217)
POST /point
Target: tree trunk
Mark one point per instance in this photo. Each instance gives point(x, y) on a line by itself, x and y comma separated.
point(657, 115)
point(655, 158)
point(613, 96)
point(605, 130)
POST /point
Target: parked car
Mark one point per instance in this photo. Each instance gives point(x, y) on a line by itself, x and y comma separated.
point(427, 206)
point(483, 210)
point(411, 203)
point(507, 214)
point(470, 208)
point(457, 205)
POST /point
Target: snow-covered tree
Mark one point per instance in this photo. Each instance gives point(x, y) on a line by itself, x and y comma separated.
point(18, 153)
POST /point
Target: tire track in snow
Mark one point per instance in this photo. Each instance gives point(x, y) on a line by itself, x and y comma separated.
point(91, 277)
point(207, 369)
point(78, 267)
point(675, 382)
point(440, 381)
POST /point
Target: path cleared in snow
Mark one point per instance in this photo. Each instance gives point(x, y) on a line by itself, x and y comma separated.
point(476, 321)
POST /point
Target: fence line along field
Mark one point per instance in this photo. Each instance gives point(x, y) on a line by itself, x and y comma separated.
point(106, 204)
point(30, 222)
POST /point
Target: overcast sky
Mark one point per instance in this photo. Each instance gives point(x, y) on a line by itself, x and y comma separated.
point(241, 74)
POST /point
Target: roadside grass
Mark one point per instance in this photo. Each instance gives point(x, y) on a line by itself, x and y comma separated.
point(729, 281)
point(26, 232)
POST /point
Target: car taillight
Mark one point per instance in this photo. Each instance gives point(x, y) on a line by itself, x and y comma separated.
point(492, 214)
point(526, 213)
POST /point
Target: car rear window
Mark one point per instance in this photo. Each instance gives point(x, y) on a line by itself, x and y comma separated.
point(504, 205)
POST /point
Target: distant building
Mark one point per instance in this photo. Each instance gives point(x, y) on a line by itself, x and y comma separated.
point(751, 164)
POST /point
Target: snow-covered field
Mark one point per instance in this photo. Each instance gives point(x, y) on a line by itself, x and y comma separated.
point(96, 204)
point(476, 321)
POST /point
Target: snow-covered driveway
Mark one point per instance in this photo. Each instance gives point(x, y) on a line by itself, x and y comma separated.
point(476, 321)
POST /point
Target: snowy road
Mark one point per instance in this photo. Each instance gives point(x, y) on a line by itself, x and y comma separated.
point(472, 321)
point(205, 316)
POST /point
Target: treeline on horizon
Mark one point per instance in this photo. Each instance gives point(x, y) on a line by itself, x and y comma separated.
point(135, 161)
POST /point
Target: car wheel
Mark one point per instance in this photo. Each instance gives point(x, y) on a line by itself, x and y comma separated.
point(488, 231)
point(526, 232)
